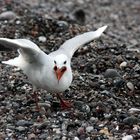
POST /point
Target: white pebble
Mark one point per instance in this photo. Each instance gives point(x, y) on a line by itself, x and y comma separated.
point(88, 138)
point(123, 64)
point(64, 138)
point(18, 22)
point(89, 129)
point(8, 15)
point(128, 137)
point(130, 86)
point(42, 38)
point(117, 127)
point(134, 110)
point(76, 138)
point(136, 128)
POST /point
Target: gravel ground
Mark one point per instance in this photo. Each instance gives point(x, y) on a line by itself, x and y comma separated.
point(106, 86)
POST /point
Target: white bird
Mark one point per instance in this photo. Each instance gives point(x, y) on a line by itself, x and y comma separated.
point(50, 72)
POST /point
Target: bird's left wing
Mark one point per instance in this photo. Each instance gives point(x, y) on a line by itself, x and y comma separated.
point(71, 45)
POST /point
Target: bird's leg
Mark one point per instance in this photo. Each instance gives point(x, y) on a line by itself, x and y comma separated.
point(64, 104)
point(36, 101)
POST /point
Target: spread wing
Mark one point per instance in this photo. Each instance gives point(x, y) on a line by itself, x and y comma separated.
point(71, 45)
point(28, 50)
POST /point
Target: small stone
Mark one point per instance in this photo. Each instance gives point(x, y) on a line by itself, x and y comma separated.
point(41, 125)
point(81, 130)
point(88, 138)
point(42, 39)
point(93, 119)
point(57, 137)
point(11, 127)
point(123, 64)
point(2, 136)
point(46, 104)
point(49, 97)
point(63, 25)
point(9, 119)
point(18, 22)
point(89, 129)
point(76, 138)
point(43, 136)
point(86, 108)
point(119, 83)
point(111, 73)
point(20, 128)
point(31, 136)
point(131, 120)
point(78, 104)
point(1, 87)
point(105, 131)
point(64, 138)
point(57, 130)
point(128, 137)
point(130, 86)
point(136, 128)
point(8, 15)
point(133, 110)
point(24, 123)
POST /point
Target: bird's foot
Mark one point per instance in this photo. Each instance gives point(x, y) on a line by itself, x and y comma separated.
point(37, 108)
point(65, 104)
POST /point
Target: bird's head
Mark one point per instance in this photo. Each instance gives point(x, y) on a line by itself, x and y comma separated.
point(61, 65)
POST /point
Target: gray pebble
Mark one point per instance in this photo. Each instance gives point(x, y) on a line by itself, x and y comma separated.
point(131, 120)
point(43, 136)
point(8, 15)
point(89, 129)
point(20, 128)
point(130, 86)
point(24, 123)
point(62, 24)
point(111, 73)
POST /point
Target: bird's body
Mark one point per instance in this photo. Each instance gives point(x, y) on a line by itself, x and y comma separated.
point(50, 72)
point(40, 78)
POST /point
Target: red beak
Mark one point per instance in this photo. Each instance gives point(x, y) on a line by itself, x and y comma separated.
point(59, 72)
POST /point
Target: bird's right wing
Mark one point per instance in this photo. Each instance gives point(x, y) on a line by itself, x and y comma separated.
point(27, 48)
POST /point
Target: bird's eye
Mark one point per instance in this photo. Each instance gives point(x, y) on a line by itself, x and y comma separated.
point(65, 62)
point(54, 62)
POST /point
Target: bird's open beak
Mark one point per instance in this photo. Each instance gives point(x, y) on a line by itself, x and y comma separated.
point(59, 72)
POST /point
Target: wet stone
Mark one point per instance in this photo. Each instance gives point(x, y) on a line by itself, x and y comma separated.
point(111, 73)
point(131, 120)
point(24, 123)
point(20, 128)
point(8, 15)
point(43, 136)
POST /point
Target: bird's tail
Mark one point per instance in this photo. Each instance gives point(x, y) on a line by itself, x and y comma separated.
point(17, 61)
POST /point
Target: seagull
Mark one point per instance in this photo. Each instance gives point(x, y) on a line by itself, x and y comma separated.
point(51, 72)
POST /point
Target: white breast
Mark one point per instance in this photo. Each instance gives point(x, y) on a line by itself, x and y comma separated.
point(45, 78)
